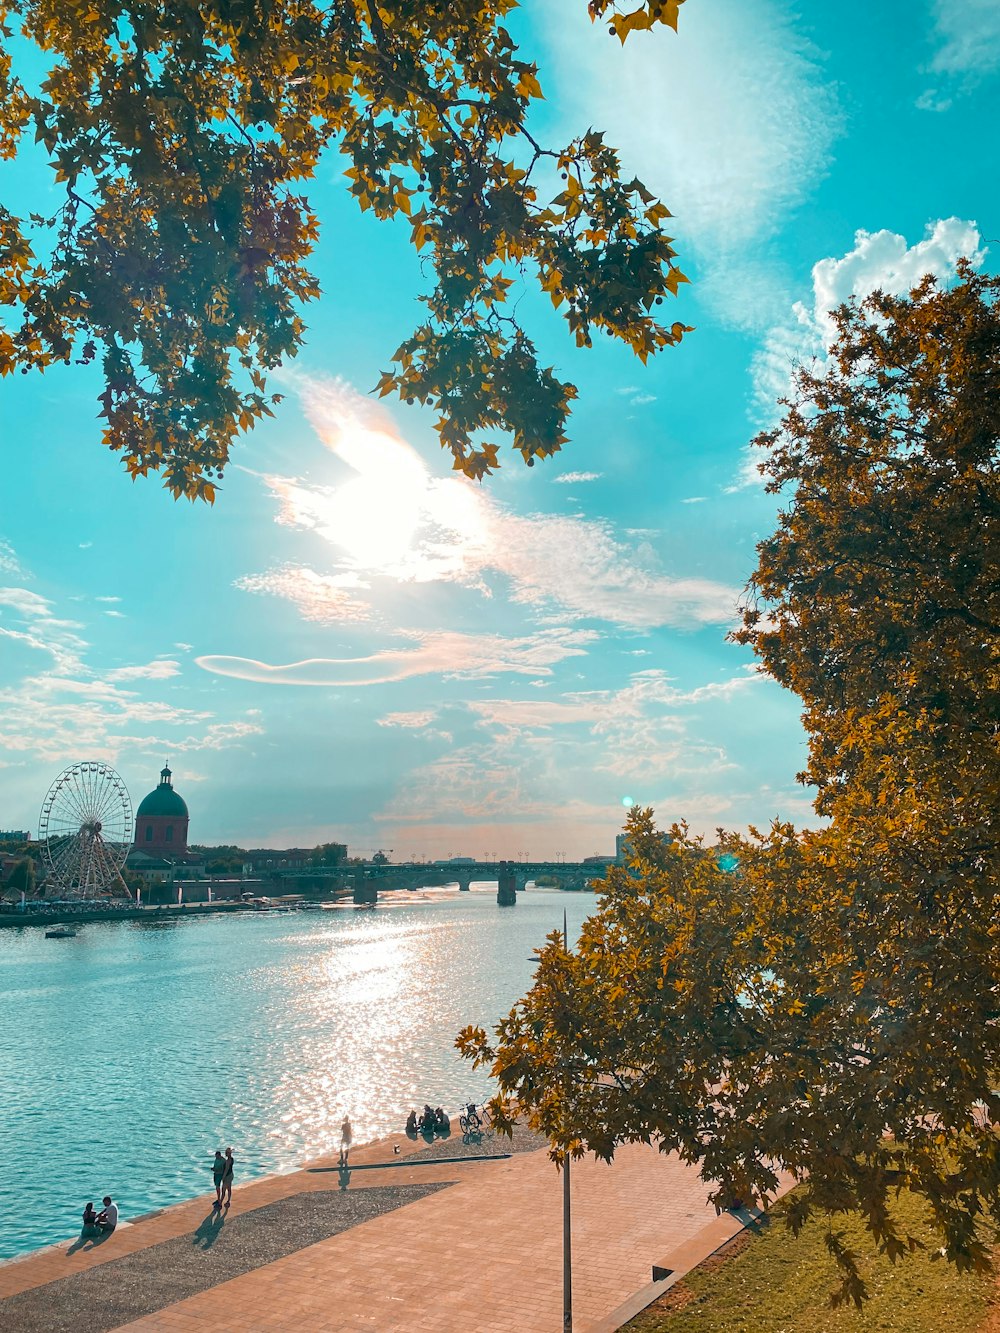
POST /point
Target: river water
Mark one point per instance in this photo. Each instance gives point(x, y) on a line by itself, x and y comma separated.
point(128, 1054)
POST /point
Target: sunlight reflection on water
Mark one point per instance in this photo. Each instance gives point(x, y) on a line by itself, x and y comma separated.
point(128, 1054)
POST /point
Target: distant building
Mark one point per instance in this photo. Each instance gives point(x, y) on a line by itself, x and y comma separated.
point(622, 849)
point(160, 847)
point(15, 835)
point(272, 858)
point(161, 822)
point(598, 861)
point(456, 861)
point(157, 869)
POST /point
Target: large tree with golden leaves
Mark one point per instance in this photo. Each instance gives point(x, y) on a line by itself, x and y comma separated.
point(182, 133)
point(832, 1006)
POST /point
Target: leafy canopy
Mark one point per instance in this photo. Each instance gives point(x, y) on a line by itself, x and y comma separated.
point(832, 1007)
point(180, 134)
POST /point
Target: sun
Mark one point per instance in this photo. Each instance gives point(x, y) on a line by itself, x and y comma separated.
point(393, 517)
point(375, 516)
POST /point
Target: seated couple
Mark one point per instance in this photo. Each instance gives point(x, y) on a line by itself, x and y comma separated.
point(106, 1220)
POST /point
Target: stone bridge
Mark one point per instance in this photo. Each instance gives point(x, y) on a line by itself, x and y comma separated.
point(367, 880)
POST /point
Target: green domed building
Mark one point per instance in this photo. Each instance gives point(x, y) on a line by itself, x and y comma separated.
point(161, 822)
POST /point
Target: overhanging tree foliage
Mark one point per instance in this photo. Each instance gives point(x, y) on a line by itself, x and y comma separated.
point(833, 1007)
point(181, 133)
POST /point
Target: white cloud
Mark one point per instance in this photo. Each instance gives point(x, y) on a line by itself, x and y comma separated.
point(8, 559)
point(571, 478)
point(636, 397)
point(641, 726)
point(25, 603)
point(445, 653)
point(430, 530)
point(648, 731)
point(883, 261)
point(107, 599)
point(158, 670)
point(477, 787)
point(421, 718)
point(218, 736)
point(50, 718)
point(41, 630)
point(579, 566)
point(967, 33)
point(932, 100)
point(320, 597)
point(879, 260)
point(48, 714)
point(731, 122)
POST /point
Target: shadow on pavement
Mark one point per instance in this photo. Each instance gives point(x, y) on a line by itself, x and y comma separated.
point(89, 1240)
point(209, 1230)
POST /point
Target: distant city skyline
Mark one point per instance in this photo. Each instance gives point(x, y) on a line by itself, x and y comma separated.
point(357, 645)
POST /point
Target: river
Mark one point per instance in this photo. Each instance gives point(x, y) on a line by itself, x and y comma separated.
point(128, 1054)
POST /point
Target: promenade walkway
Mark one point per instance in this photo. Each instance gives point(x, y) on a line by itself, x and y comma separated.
point(411, 1246)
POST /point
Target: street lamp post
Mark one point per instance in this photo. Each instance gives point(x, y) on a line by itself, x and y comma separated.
point(567, 1221)
point(567, 1253)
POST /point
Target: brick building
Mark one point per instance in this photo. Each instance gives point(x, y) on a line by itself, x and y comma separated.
point(160, 847)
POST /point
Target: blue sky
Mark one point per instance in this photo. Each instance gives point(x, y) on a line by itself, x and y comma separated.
point(355, 644)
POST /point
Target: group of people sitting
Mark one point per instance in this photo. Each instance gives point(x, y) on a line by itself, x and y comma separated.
point(433, 1121)
point(105, 1221)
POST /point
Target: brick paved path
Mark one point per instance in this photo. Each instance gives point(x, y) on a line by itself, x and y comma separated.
point(481, 1256)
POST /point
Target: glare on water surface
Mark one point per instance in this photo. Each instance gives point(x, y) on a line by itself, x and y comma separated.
point(130, 1053)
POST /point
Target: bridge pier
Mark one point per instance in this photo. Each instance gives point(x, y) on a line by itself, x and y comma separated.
point(365, 890)
point(506, 884)
point(464, 880)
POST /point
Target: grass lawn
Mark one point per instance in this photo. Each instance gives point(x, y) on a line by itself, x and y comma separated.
point(776, 1283)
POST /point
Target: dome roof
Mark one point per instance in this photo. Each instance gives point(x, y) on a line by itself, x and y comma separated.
point(163, 801)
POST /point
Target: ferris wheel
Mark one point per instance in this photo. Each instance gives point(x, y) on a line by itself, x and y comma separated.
point(85, 828)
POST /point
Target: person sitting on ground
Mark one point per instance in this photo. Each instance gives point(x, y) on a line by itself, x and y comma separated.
point(89, 1217)
point(441, 1121)
point(411, 1123)
point(107, 1218)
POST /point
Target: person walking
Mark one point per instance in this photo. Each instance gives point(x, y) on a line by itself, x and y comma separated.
point(218, 1174)
point(227, 1179)
point(346, 1139)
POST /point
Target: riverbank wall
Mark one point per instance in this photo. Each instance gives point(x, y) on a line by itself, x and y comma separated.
point(72, 917)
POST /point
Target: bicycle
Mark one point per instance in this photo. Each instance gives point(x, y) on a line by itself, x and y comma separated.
point(470, 1121)
point(476, 1120)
